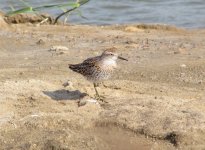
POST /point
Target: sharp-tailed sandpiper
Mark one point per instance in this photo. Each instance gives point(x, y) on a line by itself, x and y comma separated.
point(99, 68)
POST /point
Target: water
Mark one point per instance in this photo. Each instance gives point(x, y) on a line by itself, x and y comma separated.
point(181, 13)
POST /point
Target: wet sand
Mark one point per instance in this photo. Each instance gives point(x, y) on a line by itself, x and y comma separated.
point(156, 100)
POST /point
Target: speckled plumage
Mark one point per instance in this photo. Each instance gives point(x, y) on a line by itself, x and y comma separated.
point(99, 68)
point(93, 69)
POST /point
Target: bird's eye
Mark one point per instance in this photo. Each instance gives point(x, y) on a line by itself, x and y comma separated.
point(111, 54)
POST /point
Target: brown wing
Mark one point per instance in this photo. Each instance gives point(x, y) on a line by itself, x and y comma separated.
point(92, 60)
point(86, 67)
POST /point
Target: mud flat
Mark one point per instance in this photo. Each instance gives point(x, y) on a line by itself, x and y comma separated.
point(156, 100)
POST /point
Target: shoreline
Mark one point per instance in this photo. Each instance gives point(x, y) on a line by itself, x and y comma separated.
point(156, 100)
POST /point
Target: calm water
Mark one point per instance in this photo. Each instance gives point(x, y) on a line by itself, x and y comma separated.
point(182, 13)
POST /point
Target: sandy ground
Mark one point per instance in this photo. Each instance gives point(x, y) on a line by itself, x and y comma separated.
point(156, 100)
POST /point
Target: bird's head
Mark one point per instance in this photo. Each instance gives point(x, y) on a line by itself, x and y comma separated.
point(111, 54)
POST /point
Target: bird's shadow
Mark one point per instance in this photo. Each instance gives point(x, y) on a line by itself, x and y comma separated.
point(65, 94)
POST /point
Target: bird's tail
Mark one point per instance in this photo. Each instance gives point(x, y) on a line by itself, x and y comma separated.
point(73, 67)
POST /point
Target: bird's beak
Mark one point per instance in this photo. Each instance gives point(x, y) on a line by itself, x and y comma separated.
point(119, 57)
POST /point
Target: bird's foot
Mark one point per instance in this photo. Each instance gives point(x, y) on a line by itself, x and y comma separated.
point(100, 98)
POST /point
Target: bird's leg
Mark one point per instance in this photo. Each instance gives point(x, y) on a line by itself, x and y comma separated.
point(96, 91)
point(98, 97)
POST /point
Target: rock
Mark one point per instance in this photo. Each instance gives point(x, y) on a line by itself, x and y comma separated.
point(176, 52)
point(68, 83)
point(59, 50)
point(28, 18)
point(82, 103)
point(40, 42)
point(92, 101)
point(183, 66)
point(3, 24)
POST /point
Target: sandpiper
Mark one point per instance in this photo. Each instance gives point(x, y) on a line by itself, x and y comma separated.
point(99, 68)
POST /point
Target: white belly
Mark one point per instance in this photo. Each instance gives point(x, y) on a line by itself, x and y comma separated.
point(109, 63)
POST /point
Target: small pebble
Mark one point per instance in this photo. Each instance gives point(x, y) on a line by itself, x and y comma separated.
point(59, 48)
point(183, 66)
point(40, 42)
point(68, 83)
point(82, 103)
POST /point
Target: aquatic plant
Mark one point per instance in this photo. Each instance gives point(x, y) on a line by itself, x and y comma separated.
point(62, 6)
